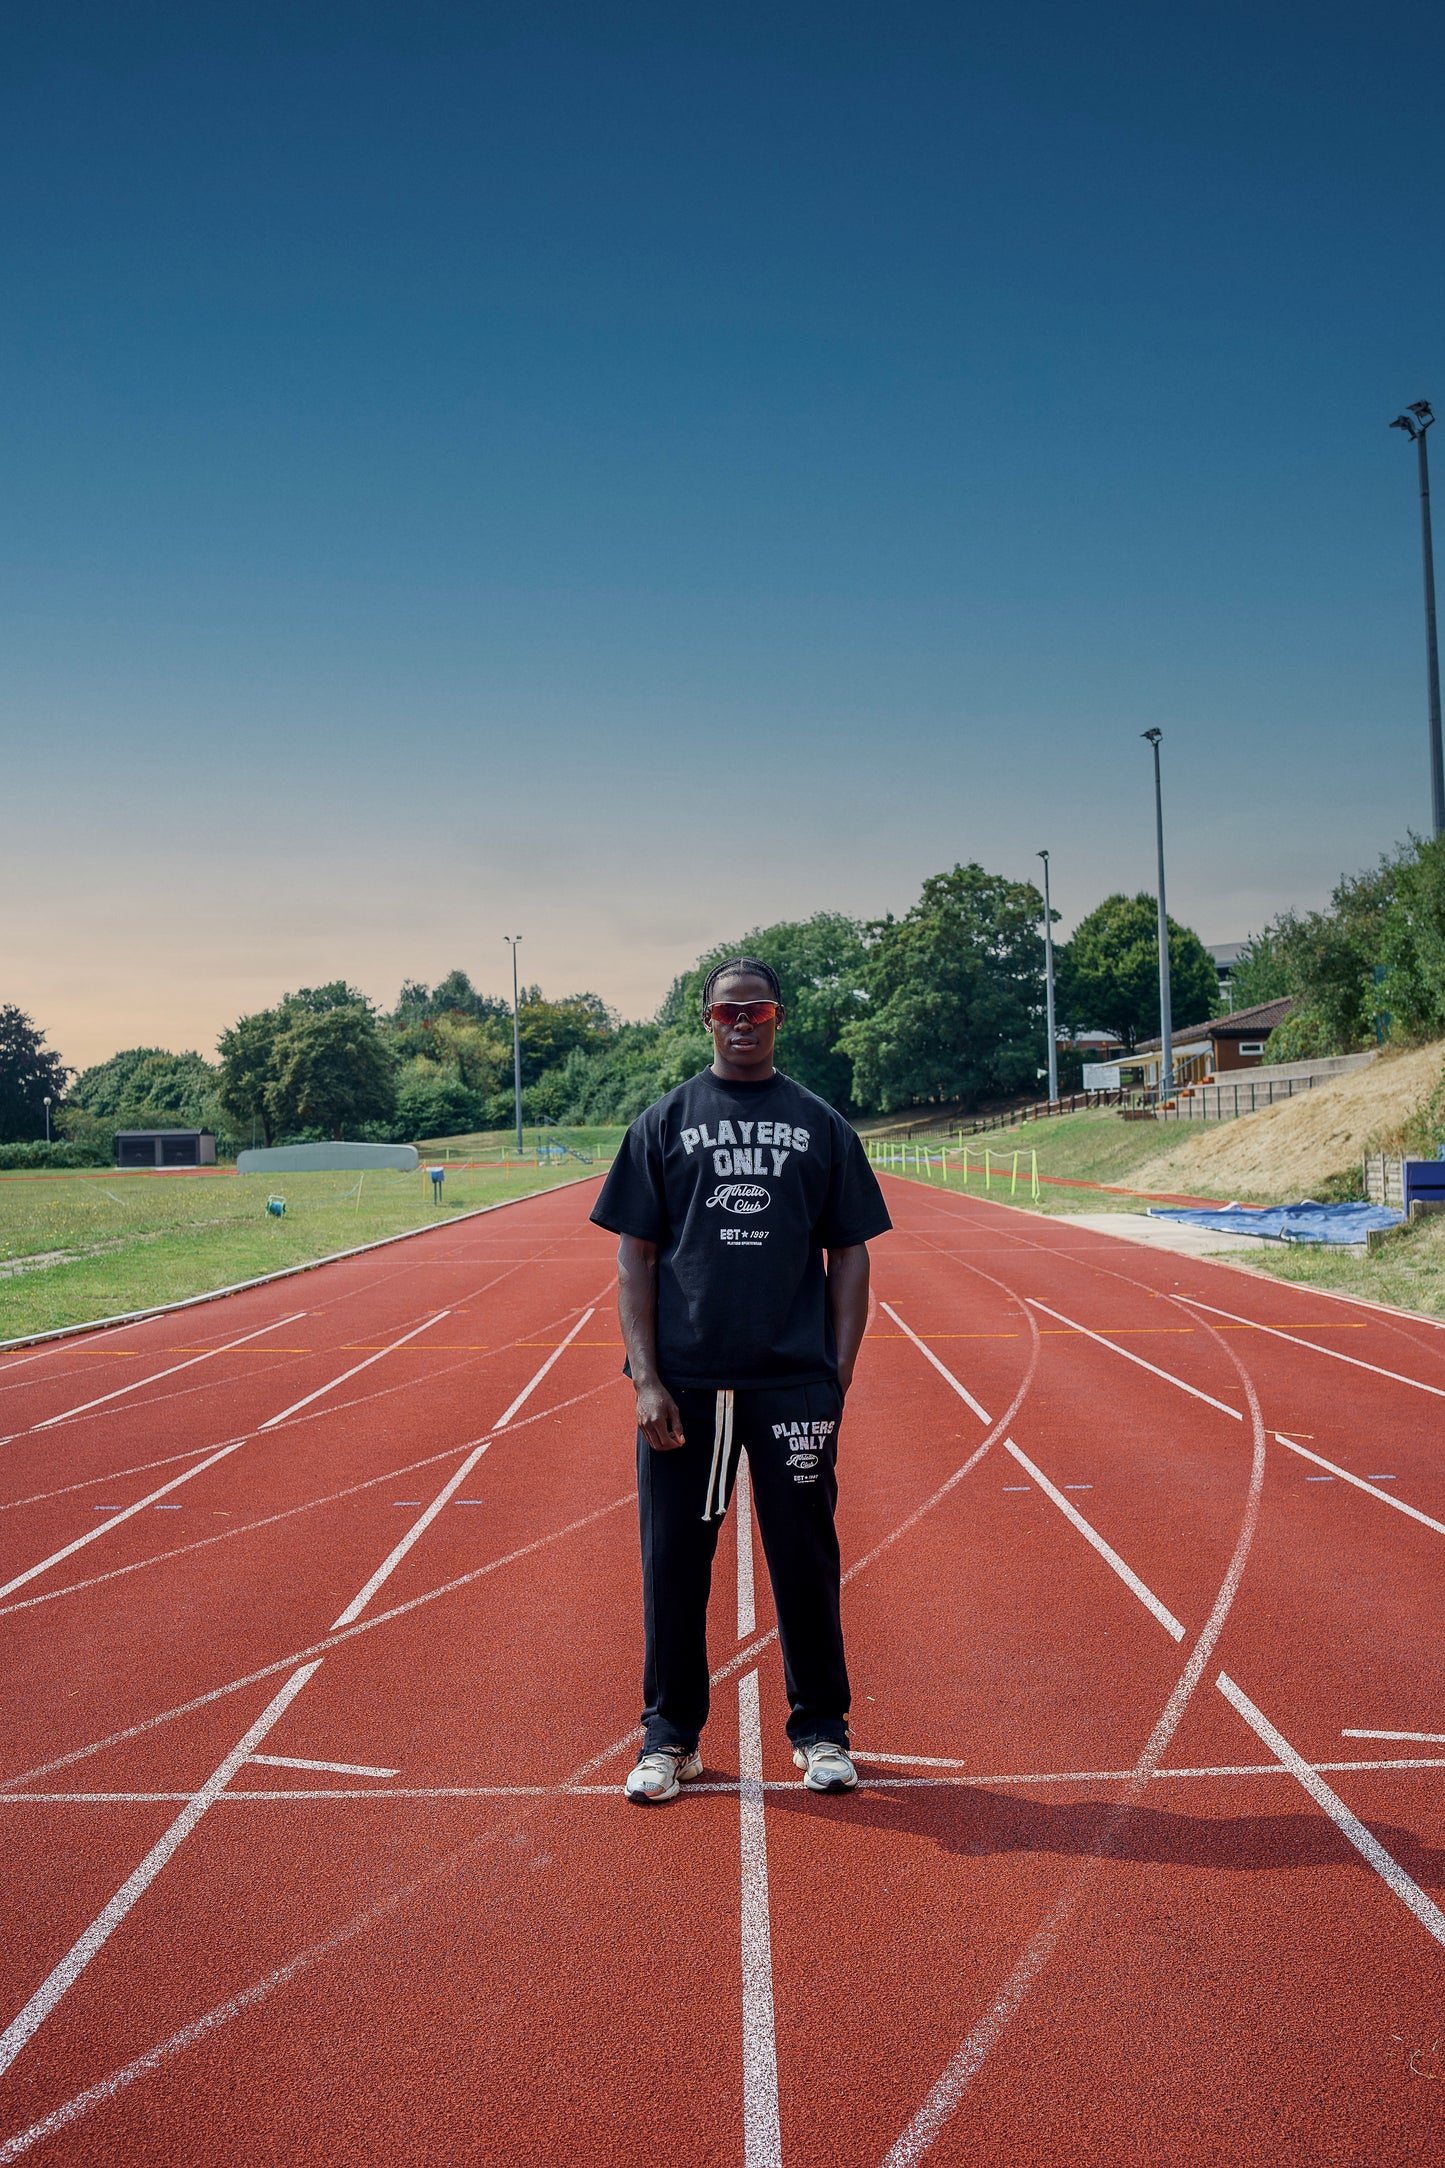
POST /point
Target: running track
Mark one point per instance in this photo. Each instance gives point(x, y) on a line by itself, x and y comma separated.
point(321, 1649)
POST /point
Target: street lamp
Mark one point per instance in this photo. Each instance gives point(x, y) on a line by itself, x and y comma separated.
point(1415, 421)
point(47, 1117)
point(1166, 1024)
point(511, 940)
point(1049, 984)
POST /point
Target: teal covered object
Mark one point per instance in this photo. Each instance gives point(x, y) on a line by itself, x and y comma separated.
point(335, 1158)
point(1338, 1223)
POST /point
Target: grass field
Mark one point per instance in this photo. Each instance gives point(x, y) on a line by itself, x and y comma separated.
point(77, 1246)
point(1409, 1271)
point(1073, 1147)
point(499, 1143)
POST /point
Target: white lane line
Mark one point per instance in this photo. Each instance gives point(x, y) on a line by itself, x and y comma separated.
point(1129, 1357)
point(355, 1371)
point(1356, 1362)
point(1369, 1847)
point(319, 1648)
point(948, 2089)
point(1105, 1550)
point(747, 1610)
point(980, 1781)
point(154, 1377)
point(1361, 1483)
point(424, 1520)
point(103, 1926)
point(762, 2138)
point(286, 1513)
point(326, 1768)
point(114, 1518)
point(1420, 1738)
point(928, 1355)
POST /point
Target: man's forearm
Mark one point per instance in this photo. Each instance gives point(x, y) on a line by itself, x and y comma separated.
point(848, 1300)
point(637, 1306)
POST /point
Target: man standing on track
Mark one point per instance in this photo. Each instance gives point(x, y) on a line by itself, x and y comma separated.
point(728, 1194)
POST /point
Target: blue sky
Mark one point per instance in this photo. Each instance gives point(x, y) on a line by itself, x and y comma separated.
point(625, 475)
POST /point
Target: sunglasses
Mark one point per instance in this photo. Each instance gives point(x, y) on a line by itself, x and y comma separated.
point(744, 1012)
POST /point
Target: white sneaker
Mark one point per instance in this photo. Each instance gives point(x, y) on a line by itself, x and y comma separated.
point(826, 1766)
point(661, 1773)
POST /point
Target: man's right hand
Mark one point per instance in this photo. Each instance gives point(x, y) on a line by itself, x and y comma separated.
point(659, 1418)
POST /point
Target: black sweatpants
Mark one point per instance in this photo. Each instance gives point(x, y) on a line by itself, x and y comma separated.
point(790, 1435)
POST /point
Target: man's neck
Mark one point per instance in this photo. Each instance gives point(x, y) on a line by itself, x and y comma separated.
point(729, 1074)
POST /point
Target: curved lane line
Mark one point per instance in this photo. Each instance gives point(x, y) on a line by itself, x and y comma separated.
point(1356, 1362)
point(953, 2082)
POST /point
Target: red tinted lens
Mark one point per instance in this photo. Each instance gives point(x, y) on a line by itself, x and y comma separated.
point(744, 1012)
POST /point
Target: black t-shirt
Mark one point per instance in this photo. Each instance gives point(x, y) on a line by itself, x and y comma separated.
point(743, 1187)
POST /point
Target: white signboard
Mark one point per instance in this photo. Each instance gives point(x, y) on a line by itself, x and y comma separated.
point(1101, 1076)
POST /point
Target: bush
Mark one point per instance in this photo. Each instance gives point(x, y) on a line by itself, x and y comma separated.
point(41, 1154)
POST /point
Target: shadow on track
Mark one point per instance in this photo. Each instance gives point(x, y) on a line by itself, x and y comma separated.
point(983, 1824)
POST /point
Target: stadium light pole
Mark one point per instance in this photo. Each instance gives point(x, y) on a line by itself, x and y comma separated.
point(1049, 985)
point(1415, 421)
point(1166, 1022)
point(47, 1117)
point(511, 940)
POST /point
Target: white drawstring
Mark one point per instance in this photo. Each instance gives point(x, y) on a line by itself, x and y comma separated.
point(722, 1445)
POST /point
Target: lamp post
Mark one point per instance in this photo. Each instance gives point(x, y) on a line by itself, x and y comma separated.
point(1166, 1023)
point(1415, 421)
point(511, 940)
point(1049, 985)
point(47, 1117)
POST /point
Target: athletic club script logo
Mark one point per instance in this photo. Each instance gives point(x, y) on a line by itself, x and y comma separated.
point(740, 1197)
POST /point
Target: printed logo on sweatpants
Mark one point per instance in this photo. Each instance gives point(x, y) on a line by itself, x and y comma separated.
point(805, 1442)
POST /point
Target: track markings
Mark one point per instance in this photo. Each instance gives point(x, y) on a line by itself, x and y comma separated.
point(942, 1368)
point(1369, 1847)
point(1130, 1357)
point(1356, 1362)
point(762, 2138)
point(1364, 1483)
point(355, 1371)
point(325, 1768)
point(103, 1926)
point(154, 1378)
point(116, 1515)
point(1421, 1738)
point(1105, 1550)
point(419, 1527)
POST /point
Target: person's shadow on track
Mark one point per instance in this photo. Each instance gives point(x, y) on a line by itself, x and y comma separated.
point(978, 1823)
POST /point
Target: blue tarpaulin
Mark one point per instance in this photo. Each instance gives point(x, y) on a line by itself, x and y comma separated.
point(1289, 1222)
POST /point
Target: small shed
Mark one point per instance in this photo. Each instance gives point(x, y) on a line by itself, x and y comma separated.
point(165, 1148)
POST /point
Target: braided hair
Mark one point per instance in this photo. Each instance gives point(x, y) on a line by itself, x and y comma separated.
point(734, 967)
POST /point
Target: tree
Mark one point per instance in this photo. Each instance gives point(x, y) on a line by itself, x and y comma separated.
point(331, 1069)
point(820, 962)
point(144, 1087)
point(1108, 974)
point(1326, 961)
point(954, 994)
point(248, 1057)
point(30, 1072)
point(551, 1030)
point(1412, 943)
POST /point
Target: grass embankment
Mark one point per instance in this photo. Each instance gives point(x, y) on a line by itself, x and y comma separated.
point(77, 1247)
point(1299, 1148)
point(1072, 1148)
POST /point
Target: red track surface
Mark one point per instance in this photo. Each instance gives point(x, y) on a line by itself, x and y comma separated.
point(1081, 1910)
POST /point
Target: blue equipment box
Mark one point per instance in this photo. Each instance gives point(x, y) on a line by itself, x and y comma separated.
point(1424, 1182)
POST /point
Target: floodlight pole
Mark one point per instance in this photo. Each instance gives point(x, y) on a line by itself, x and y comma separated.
point(47, 1117)
point(1166, 1022)
point(511, 940)
point(1415, 429)
point(1049, 985)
